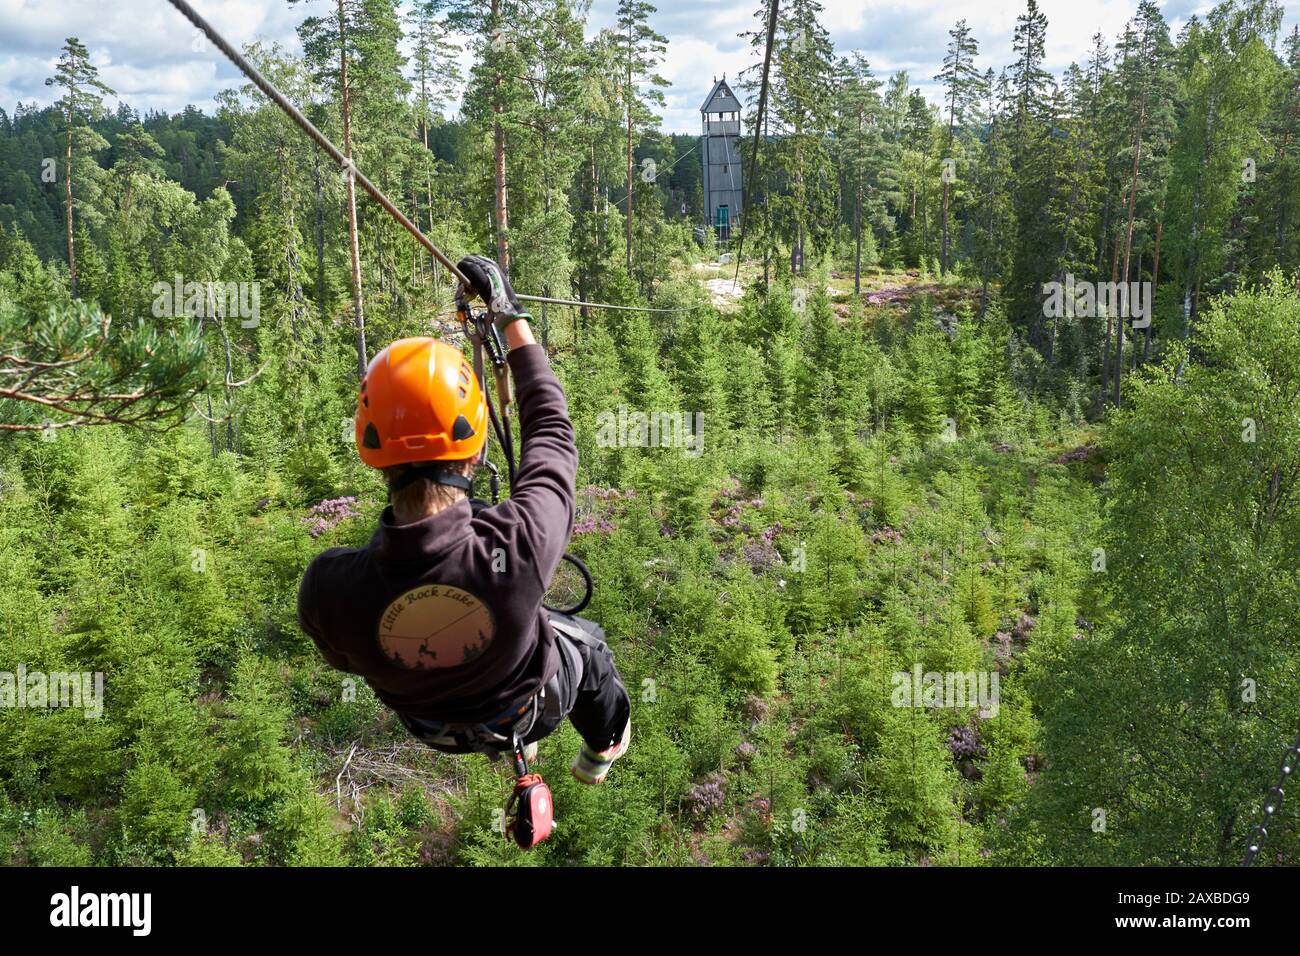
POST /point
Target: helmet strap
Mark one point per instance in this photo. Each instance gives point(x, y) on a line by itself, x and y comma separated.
point(435, 472)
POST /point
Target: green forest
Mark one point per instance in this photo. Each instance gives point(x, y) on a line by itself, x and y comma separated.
point(1002, 388)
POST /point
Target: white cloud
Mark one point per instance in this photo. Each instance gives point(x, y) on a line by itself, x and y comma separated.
point(144, 48)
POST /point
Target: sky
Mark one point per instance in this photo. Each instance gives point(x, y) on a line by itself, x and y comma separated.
point(153, 58)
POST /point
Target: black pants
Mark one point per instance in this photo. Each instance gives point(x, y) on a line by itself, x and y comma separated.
point(587, 689)
point(595, 698)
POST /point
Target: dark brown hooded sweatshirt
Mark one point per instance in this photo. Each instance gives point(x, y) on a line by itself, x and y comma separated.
point(443, 617)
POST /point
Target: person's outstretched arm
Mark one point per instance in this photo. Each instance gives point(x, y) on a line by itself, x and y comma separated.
point(542, 496)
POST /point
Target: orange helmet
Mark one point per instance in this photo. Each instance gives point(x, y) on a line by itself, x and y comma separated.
point(419, 401)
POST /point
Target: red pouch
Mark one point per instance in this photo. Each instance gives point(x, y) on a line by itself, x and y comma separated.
point(531, 811)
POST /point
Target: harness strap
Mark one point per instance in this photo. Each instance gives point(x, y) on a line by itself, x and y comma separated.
point(475, 738)
point(435, 472)
point(575, 632)
point(496, 737)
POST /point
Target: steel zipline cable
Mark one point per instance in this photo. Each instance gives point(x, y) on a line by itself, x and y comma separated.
point(1273, 802)
point(350, 168)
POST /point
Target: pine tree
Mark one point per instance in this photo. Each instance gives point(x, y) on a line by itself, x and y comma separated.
point(1073, 191)
point(867, 161)
point(992, 208)
point(547, 154)
point(962, 83)
point(1226, 69)
point(82, 102)
point(324, 39)
point(1146, 97)
point(919, 169)
point(801, 101)
point(1031, 162)
point(638, 50)
point(436, 73)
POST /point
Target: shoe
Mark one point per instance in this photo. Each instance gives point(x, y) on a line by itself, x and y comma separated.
point(591, 767)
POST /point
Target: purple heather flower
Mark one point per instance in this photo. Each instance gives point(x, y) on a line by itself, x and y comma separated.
point(964, 742)
point(706, 798)
point(329, 514)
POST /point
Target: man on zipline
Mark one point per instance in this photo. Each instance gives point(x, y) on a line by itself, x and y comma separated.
point(441, 613)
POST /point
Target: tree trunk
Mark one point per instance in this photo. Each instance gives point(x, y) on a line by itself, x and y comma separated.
point(857, 234)
point(1191, 279)
point(628, 95)
point(1064, 249)
point(1133, 184)
point(952, 119)
point(428, 199)
point(320, 237)
point(293, 281)
point(925, 201)
point(428, 180)
point(593, 237)
point(67, 181)
point(943, 257)
point(767, 219)
point(1155, 282)
point(1128, 242)
point(417, 272)
point(386, 280)
point(502, 206)
point(988, 246)
point(354, 243)
point(1110, 322)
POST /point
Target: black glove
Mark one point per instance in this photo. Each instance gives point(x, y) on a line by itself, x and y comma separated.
point(490, 284)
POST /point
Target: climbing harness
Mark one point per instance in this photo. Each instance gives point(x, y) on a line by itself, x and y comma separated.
point(495, 736)
point(529, 815)
point(1272, 802)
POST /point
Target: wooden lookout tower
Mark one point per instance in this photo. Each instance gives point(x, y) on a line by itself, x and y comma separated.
point(723, 189)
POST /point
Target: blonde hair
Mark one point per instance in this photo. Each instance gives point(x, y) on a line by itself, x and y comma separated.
point(423, 497)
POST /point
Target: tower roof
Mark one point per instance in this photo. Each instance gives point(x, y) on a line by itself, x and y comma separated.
point(721, 99)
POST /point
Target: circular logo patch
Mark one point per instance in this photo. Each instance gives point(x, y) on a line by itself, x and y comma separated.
point(434, 626)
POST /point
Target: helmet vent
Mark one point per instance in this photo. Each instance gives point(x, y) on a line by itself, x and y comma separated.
point(370, 439)
point(462, 429)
